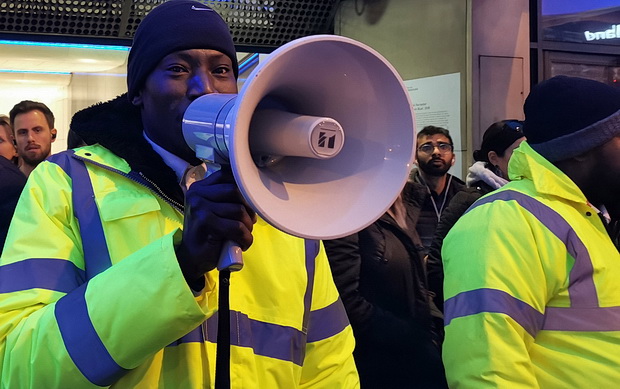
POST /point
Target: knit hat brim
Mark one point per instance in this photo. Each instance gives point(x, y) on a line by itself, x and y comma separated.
point(579, 142)
point(568, 116)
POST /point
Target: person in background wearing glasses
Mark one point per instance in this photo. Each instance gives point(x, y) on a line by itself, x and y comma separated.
point(434, 157)
point(488, 173)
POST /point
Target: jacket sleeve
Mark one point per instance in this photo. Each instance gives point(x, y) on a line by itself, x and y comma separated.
point(496, 287)
point(371, 323)
point(328, 362)
point(60, 330)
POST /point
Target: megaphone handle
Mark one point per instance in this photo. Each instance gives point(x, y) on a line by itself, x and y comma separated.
point(231, 257)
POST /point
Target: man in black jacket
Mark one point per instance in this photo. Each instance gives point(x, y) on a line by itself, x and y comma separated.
point(434, 157)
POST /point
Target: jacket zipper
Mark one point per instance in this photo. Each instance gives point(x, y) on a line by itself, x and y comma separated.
point(161, 193)
point(148, 184)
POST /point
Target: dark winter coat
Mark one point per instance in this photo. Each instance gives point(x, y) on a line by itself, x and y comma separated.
point(380, 275)
point(12, 181)
point(428, 222)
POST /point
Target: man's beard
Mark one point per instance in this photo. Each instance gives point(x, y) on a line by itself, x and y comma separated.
point(36, 160)
point(432, 170)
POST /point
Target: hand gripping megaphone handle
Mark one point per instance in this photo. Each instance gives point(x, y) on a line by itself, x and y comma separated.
point(231, 257)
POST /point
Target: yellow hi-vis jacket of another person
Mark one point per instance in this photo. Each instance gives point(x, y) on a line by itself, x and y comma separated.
point(91, 294)
point(532, 287)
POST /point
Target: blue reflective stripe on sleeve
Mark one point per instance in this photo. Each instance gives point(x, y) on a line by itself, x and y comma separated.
point(96, 254)
point(582, 319)
point(581, 287)
point(554, 319)
point(41, 273)
point(82, 341)
point(493, 301)
point(327, 322)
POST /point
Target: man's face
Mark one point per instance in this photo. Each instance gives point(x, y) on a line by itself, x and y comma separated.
point(177, 80)
point(7, 150)
point(34, 137)
point(435, 161)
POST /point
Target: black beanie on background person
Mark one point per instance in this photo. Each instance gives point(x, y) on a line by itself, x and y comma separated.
point(568, 116)
point(160, 34)
point(498, 137)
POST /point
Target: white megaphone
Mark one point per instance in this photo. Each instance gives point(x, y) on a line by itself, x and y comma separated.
point(320, 139)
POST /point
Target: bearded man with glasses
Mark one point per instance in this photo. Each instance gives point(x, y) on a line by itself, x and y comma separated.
point(434, 157)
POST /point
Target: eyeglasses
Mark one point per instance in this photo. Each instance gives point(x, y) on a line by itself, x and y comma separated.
point(428, 148)
point(513, 125)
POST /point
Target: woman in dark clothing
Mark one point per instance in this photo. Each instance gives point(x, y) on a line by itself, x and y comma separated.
point(12, 180)
point(489, 172)
point(380, 275)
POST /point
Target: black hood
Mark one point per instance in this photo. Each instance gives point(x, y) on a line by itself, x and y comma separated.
point(117, 126)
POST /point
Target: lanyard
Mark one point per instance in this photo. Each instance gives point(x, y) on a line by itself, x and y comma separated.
point(439, 210)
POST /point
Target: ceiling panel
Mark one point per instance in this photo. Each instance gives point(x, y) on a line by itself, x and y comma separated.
point(256, 25)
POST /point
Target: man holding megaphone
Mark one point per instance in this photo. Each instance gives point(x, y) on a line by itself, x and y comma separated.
point(108, 273)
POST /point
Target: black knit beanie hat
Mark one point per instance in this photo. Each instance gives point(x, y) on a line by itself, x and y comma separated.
point(498, 137)
point(568, 116)
point(174, 26)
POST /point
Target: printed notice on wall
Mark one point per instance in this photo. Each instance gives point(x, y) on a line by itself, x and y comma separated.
point(437, 102)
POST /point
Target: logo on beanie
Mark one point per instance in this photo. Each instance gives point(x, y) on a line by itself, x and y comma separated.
point(200, 9)
point(613, 32)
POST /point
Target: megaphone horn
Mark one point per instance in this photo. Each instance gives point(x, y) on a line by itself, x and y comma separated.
point(320, 139)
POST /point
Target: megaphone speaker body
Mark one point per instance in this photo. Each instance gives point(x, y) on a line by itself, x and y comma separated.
point(320, 138)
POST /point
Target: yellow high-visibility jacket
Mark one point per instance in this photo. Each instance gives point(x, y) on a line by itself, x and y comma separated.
point(532, 291)
point(91, 293)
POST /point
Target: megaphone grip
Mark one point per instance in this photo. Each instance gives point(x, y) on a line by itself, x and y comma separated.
point(231, 257)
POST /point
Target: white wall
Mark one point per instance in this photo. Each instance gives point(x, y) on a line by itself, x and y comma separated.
point(485, 41)
point(421, 39)
point(53, 91)
point(66, 79)
point(64, 94)
point(501, 62)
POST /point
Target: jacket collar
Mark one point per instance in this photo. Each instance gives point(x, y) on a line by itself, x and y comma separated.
point(526, 163)
point(117, 126)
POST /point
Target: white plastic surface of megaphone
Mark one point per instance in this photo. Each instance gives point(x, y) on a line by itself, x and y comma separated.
point(320, 138)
